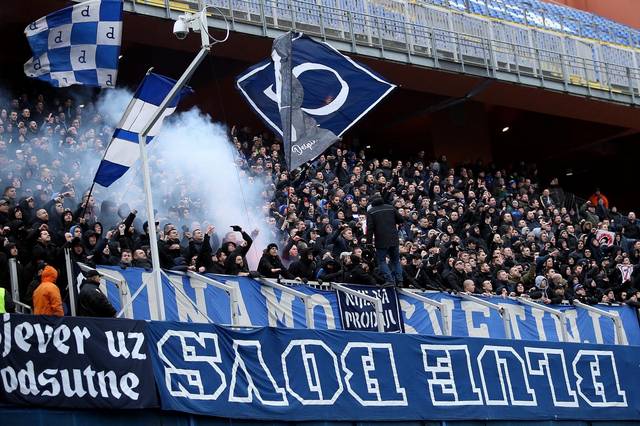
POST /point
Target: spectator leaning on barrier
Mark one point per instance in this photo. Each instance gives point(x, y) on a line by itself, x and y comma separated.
point(91, 301)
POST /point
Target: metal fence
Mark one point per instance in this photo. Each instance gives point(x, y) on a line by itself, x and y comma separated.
point(525, 55)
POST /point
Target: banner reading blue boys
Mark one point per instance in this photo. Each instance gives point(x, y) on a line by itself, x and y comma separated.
point(310, 94)
point(79, 44)
point(358, 314)
point(298, 375)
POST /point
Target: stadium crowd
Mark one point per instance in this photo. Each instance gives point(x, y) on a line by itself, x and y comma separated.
point(346, 217)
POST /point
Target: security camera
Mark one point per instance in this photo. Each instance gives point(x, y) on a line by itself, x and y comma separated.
point(180, 28)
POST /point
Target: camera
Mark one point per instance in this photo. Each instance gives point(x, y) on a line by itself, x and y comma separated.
point(180, 28)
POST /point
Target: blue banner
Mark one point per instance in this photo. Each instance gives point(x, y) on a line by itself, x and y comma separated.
point(300, 375)
point(75, 362)
point(359, 314)
point(189, 300)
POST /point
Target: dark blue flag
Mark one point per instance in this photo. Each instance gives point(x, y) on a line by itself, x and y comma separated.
point(310, 94)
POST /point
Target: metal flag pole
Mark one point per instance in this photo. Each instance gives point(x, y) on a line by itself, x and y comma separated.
point(196, 22)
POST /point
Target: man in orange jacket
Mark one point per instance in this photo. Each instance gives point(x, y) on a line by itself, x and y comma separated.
point(46, 298)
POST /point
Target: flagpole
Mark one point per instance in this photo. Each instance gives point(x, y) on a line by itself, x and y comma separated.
point(142, 141)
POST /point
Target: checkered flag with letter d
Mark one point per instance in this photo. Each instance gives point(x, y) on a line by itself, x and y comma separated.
point(79, 44)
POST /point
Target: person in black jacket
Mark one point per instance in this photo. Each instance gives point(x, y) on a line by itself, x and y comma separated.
point(270, 265)
point(382, 228)
point(91, 301)
point(304, 267)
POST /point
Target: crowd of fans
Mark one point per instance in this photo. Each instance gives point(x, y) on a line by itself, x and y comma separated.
point(467, 228)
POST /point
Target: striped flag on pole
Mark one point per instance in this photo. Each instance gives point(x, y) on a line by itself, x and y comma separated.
point(123, 150)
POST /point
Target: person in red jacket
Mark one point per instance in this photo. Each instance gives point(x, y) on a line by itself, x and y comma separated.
point(46, 298)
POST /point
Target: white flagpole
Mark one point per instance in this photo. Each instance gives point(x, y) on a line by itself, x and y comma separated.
point(200, 18)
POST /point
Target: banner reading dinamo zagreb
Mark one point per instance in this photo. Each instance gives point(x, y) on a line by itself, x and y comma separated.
point(298, 375)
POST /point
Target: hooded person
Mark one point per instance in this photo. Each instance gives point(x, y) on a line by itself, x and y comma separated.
point(270, 265)
point(304, 267)
point(541, 289)
point(91, 301)
point(234, 250)
point(46, 297)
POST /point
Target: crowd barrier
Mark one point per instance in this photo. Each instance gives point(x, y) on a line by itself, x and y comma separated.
point(271, 373)
point(247, 302)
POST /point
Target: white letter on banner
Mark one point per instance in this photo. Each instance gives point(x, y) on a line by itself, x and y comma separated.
point(469, 308)
point(551, 363)
point(256, 373)
point(278, 311)
point(319, 300)
point(242, 314)
point(451, 380)
point(448, 306)
point(538, 316)
point(22, 333)
point(191, 378)
point(187, 312)
point(572, 325)
point(374, 364)
point(504, 377)
point(514, 312)
point(408, 309)
point(597, 379)
point(321, 383)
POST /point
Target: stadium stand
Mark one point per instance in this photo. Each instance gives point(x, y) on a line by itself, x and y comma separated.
point(492, 225)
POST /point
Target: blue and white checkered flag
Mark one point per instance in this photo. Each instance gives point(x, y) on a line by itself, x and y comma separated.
point(79, 44)
point(124, 151)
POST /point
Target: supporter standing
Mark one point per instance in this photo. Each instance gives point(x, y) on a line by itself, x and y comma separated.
point(91, 301)
point(382, 228)
point(46, 298)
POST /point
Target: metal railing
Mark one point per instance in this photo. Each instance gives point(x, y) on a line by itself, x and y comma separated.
point(504, 314)
point(561, 317)
point(402, 39)
point(621, 337)
point(306, 299)
point(444, 314)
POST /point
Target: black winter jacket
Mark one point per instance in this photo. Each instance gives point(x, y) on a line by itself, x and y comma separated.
point(93, 303)
point(381, 224)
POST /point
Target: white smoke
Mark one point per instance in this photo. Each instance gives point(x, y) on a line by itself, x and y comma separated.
point(193, 162)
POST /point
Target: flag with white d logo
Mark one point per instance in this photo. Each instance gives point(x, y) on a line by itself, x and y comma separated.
point(79, 44)
point(310, 94)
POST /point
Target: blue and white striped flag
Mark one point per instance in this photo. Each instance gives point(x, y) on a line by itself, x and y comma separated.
point(123, 150)
point(79, 44)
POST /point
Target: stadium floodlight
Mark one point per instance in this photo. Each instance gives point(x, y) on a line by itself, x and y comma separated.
point(505, 129)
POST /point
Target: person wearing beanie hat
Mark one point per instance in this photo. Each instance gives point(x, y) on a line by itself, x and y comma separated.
point(270, 265)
